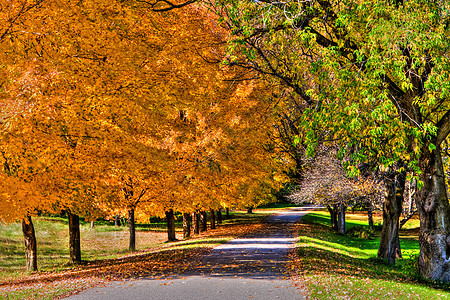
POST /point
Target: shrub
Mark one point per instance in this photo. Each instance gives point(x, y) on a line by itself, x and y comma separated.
point(361, 232)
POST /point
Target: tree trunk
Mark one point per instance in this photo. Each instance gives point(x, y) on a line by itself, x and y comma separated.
point(219, 216)
point(398, 251)
point(370, 217)
point(74, 238)
point(341, 217)
point(186, 225)
point(92, 224)
point(250, 210)
point(333, 216)
point(203, 221)
point(170, 226)
point(132, 230)
point(434, 211)
point(196, 222)
point(411, 192)
point(212, 219)
point(227, 213)
point(117, 220)
point(30, 244)
point(389, 247)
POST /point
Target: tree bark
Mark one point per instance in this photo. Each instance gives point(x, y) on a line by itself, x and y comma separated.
point(411, 192)
point(132, 230)
point(250, 210)
point(332, 209)
point(30, 244)
point(196, 222)
point(212, 219)
point(74, 238)
point(170, 226)
point(398, 251)
point(341, 217)
point(370, 217)
point(227, 213)
point(203, 221)
point(186, 225)
point(219, 216)
point(117, 220)
point(434, 211)
point(389, 247)
point(92, 224)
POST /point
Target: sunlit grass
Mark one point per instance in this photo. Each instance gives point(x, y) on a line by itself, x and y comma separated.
point(334, 266)
point(358, 249)
point(53, 251)
point(328, 286)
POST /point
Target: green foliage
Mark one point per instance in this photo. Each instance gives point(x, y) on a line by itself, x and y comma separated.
point(355, 57)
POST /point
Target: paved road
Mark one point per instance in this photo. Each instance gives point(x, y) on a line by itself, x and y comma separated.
point(252, 267)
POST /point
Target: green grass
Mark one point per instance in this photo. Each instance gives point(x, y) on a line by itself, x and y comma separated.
point(339, 267)
point(101, 242)
point(52, 248)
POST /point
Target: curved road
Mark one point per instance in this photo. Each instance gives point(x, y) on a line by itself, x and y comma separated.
point(252, 267)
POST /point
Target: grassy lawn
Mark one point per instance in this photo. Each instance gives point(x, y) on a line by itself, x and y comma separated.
point(105, 254)
point(332, 266)
point(102, 241)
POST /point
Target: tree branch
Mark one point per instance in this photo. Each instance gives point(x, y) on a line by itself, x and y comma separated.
point(443, 128)
point(167, 5)
point(22, 11)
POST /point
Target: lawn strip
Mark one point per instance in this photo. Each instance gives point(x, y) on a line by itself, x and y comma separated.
point(327, 265)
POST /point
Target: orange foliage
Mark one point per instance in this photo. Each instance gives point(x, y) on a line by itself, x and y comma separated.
point(106, 105)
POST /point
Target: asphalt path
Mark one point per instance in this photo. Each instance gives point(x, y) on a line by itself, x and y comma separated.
point(251, 267)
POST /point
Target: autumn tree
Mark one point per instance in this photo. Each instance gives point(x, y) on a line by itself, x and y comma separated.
point(25, 164)
point(60, 121)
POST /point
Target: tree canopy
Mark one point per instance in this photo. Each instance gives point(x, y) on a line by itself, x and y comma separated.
point(372, 76)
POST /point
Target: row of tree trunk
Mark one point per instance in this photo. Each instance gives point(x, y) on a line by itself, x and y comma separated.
point(337, 216)
point(197, 221)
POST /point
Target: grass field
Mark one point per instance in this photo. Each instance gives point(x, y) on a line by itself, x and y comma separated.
point(333, 266)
